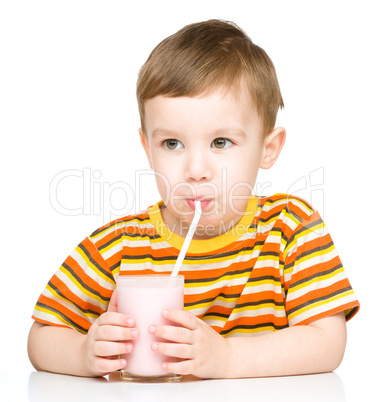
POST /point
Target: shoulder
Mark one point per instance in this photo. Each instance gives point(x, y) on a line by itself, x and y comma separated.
point(284, 213)
point(135, 224)
point(285, 204)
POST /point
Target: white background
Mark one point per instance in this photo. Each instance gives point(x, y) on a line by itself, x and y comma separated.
point(68, 72)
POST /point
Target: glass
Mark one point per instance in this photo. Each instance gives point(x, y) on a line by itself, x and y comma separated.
point(144, 298)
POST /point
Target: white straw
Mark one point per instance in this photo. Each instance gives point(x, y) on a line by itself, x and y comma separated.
point(186, 243)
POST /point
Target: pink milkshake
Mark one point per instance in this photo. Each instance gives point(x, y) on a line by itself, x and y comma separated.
point(144, 298)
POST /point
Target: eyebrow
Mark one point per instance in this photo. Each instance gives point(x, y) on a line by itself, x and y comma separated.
point(221, 132)
point(162, 132)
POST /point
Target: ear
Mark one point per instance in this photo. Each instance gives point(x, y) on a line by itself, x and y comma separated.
point(145, 145)
point(272, 147)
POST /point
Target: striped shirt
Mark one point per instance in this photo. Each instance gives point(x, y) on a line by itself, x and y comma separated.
point(277, 267)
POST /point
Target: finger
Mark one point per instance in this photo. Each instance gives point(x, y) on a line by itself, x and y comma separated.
point(113, 305)
point(105, 349)
point(182, 317)
point(171, 333)
point(104, 366)
point(113, 318)
point(184, 367)
point(114, 333)
point(181, 351)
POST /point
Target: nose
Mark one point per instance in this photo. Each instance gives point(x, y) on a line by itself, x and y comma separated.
point(198, 167)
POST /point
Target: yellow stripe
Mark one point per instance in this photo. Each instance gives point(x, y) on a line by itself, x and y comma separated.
point(119, 225)
point(134, 262)
point(211, 283)
point(300, 235)
point(189, 262)
point(81, 288)
point(211, 317)
point(319, 279)
point(116, 271)
point(258, 307)
point(320, 303)
point(55, 314)
point(250, 331)
point(59, 297)
point(111, 245)
point(209, 304)
point(204, 246)
point(321, 252)
point(310, 210)
point(93, 267)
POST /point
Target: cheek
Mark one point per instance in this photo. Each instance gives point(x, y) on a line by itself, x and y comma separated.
point(171, 187)
point(241, 178)
point(240, 181)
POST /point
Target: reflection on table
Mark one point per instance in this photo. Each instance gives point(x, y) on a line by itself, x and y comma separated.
point(45, 387)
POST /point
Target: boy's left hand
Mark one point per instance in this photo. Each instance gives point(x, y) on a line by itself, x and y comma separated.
point(203, 352)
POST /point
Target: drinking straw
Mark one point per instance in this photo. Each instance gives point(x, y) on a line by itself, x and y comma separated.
point(190, 234)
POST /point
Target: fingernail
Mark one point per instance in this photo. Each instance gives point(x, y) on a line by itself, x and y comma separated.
point(152, 329)
point(166, 313)
point(164, 366)
point(129, 347)
point(155, 346)
point(134, 333)
point(130, 322)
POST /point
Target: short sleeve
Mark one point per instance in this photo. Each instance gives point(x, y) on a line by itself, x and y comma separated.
point(315, 282)
point(79, 292)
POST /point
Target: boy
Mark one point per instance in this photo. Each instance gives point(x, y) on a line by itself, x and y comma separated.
point(265, 291)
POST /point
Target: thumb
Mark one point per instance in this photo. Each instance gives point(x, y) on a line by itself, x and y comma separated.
point(113, 305)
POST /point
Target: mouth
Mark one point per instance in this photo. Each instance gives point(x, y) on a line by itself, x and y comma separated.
point(204, 203)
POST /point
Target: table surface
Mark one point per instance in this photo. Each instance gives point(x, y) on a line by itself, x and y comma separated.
point(41, 386)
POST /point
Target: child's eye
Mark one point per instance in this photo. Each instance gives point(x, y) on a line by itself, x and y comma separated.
point(173, 144)
point(221, 143)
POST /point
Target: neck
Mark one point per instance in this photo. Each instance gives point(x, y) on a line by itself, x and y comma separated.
point(202, 232)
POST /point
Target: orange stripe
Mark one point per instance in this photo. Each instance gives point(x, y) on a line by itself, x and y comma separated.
point(320, 269)
point(49, 323)
point(328, 313)
point(86, 279)
point(96, 256)
point(316, 294)
point(68, 313)
point(70, 296)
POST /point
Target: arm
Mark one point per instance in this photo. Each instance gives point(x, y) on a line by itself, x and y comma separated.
point(304, 349)
point(67, 351)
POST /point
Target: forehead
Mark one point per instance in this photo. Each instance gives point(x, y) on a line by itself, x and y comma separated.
point(216, 109)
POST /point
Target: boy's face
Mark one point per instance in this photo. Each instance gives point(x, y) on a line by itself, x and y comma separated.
point(208, 148)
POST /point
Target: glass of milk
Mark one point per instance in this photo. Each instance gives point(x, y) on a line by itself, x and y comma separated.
point(144, 298)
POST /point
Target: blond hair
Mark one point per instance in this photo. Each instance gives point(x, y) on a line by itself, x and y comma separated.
point(204, 56)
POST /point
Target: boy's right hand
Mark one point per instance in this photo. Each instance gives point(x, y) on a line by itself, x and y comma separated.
point(107, 338)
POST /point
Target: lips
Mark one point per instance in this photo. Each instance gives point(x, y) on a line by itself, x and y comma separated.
point(204, 203)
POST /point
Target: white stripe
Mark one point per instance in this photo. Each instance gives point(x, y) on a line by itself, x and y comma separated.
point(258, 312)
point(326, 306)
point(263, 287)
point(68, 305)
point(317, 284)
point(90, 271)
point(119, 226)
point(42, 315)
point(264, 262)
point(310, 263)
point(137, 244)
point(299, 204)
point(74, 289)
point(258, 333)
point(214, 323)
point(195, 290)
